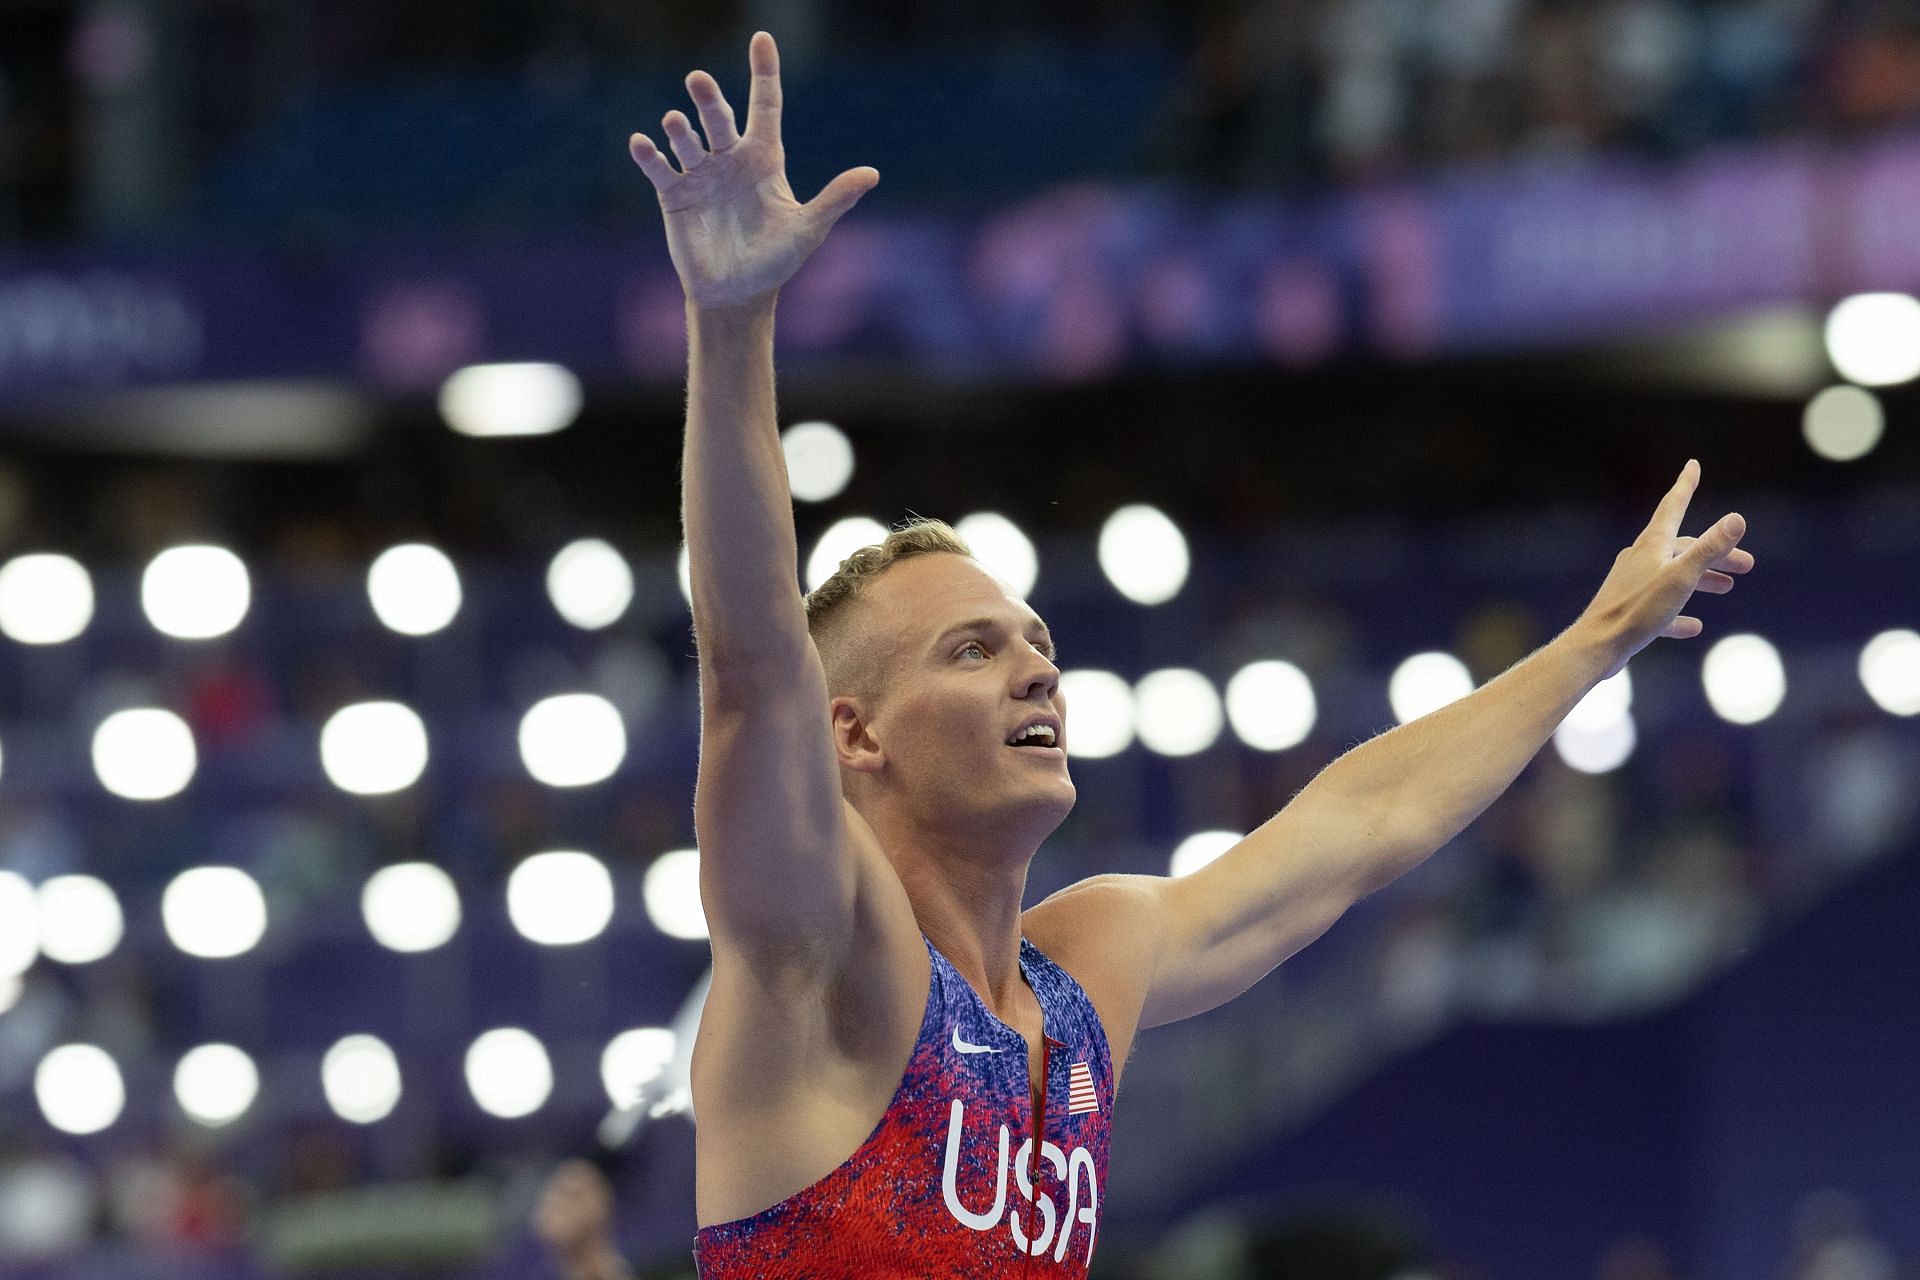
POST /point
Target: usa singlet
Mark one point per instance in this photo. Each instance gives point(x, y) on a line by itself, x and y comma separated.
point(959, 1180)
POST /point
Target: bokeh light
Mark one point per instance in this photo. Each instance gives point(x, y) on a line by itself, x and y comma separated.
point(45, 598)
point(214, 912)
point(1270, 705)
point(1201, 848)
point(1176, 712)
point(216, 1083)
point(1744, 679)
point(560, 898)
point(79, 1088)
point(572, 740)
point(414, 588)
point(1874, 338)
point(1426, 682)
point(590, 583)
point(1003, 548)
point(144, 753)
point(373, 748)
point(842, 539)
point(80, 919)
point(1843, 423)
point(411, 906)
point(1599, 747)
point(195, 592)
point(509, 1073)
point(1890, 671)
point(534, 398)
point(633, 1060)
point(361, 1079)
point(671, 892)
point(1144, 554)
point(1100, 720)
point(819, 460)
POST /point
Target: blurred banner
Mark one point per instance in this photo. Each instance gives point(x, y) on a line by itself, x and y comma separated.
point(1074, 285)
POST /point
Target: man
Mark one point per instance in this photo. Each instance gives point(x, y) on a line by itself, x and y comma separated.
point(899, 1072)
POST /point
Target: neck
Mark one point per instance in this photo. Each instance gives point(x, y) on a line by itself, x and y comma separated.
point(968, 905)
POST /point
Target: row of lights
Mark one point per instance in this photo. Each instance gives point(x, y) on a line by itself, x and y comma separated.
point(509, 1073)
point(366, 748)
point(557, 898)
point(578, 739)
point(202, 592)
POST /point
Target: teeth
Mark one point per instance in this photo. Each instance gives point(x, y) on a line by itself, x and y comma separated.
point(1038, 733)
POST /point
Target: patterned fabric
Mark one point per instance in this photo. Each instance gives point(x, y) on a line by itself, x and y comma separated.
point(949, 1184)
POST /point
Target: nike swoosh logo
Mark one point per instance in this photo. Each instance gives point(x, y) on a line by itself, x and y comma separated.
point(964, 1047)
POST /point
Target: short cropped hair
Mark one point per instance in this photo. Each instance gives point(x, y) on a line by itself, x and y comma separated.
point(854, 661)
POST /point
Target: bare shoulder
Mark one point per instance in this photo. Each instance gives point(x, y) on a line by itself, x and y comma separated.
point(1106, 932)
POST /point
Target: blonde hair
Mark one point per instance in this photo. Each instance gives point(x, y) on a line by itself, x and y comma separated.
point(855, 664)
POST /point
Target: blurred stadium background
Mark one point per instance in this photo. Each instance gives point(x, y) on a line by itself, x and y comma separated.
point(1308, 358)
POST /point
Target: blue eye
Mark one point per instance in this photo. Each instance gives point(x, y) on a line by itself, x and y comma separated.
point(975, 644)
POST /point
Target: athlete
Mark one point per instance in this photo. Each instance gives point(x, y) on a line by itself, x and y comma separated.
point(898, 1071)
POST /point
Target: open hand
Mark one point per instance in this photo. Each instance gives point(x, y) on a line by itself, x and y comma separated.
point(1653, 579)
point(734, 229)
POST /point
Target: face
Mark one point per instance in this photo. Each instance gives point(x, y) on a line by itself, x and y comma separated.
point(968, 664)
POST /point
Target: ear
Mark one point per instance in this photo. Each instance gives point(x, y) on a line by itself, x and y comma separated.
point(853, 743)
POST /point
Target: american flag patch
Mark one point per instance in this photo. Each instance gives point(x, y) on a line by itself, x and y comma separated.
point(1080, 1095)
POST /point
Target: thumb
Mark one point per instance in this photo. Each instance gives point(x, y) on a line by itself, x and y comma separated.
point(1715, 543)
point(842, 194)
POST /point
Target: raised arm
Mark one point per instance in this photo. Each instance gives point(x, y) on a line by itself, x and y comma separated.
point(767, 808)
point(1384, 807)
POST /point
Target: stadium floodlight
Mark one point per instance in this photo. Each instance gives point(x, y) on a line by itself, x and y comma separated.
point(1425, 683)
point(1177, 712)
point(572, 740)
point(414, 588)
point(1874, 338)
point(1100, 719)
point(1890, 671)
point(532, 398)
point(195, 592)
point(1144, 554)
point(1744, 679)
point(1200, 848)
point(79, 1088)
point(819, 460)
point(214, 913)
point(560, 898)
point(590, 583)
point(45, 598)
point(1605, 705)
point(216, 1083)
point(11, 989)
point(1002, 548)
point(361, 1079)
point(1596, 747)
point(19, 924)
point(633, 1060)
point(1843, 423)
point(683, 573)
point(80, 919)
point(671, 892)
point(1270, 705)
point(410, 906)
point(144, 753)
point(373, 748)
point(509, 1073)
point(842, 539)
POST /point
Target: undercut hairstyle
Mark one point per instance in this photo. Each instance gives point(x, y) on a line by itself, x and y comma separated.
point(855, 661)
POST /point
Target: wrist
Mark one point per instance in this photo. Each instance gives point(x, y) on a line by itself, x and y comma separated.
point(721, 316)
point(1596, 649)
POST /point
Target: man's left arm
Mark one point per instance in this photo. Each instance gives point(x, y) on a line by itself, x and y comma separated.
point(1385, 806)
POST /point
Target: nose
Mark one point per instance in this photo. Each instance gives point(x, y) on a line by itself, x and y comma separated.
point(1040, 675)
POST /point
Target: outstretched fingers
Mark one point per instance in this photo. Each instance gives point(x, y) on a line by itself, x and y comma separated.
point(1738, 560)
point(764, 98)
point(660, 172)
point(684, 141)
point(842, 194)
point(716, 116)
point(1673, 508)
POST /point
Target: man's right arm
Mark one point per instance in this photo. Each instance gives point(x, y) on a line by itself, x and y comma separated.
point(776, 874)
